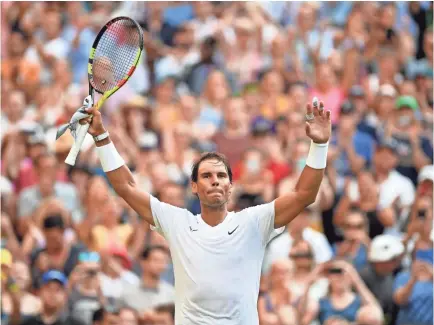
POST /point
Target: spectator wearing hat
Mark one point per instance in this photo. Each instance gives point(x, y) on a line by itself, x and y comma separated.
point(152, 291)
point(413, 291)
point(384, 256)
point(53, 295)
point(414, 151)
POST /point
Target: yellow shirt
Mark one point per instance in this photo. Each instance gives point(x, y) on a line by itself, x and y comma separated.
point(281, 108)
point(104, 238)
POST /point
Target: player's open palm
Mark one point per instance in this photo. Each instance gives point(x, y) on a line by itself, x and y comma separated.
point(318, 123)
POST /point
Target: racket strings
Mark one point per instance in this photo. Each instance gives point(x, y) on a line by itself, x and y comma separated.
point(115, 54)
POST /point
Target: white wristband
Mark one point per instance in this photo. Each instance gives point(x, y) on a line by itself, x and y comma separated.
point(317, 158)
point(109, 157)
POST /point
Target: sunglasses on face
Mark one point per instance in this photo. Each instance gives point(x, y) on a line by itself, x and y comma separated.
point(356, 226)
point(301, 255)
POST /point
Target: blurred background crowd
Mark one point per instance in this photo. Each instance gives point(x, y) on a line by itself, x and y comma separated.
point(233, 77)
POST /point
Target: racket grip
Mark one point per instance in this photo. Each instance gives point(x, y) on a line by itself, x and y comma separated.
point(75, 150)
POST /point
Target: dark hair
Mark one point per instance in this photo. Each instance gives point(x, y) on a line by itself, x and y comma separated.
point(166, 308)
point(148, 250)
point(53, 221)
point(210, 156)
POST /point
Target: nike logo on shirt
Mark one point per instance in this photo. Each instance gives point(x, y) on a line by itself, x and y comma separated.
point(231, 232)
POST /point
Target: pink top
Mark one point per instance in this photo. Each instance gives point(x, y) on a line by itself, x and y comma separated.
point(332, 101)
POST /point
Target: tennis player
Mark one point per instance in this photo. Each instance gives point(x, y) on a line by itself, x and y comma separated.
point(218, 254)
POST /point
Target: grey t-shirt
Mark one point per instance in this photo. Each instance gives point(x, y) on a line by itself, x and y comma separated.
point(381, 286)
point(142, 298)
point(31, 198)
point(82, 307)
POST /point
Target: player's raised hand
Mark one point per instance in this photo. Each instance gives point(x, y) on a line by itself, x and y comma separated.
point(318, 123)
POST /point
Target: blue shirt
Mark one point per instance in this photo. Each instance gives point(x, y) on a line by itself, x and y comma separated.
point(327, 310)
point(419, 308)
point(360, 260)
point(364, 147)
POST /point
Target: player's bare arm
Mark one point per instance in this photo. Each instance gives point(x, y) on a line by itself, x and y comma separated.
point(318, 129)
point(121, 178)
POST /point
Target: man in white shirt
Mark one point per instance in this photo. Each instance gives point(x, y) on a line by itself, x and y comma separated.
point(218, 254)
point(298, 229)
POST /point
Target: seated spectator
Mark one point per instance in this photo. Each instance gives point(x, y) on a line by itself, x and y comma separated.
point(153, 291)
point(384, 256)
point(297, 230)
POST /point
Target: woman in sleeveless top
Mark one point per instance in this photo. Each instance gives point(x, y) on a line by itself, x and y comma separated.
point(341, 301)
point(274, 306)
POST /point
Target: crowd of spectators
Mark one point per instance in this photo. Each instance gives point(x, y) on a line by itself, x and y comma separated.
point(233, 77)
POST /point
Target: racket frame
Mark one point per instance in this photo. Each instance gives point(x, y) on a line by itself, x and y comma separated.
point(82, 131)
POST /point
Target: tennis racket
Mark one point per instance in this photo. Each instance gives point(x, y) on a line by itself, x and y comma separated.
point(113, 59)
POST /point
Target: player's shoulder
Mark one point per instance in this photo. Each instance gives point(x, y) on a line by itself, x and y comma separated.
point(255, 212)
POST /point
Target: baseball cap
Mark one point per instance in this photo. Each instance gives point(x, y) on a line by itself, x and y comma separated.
point(123, 255)
point(54, 275)
point(347, 108)
point(387, 90)
point(261, 125)
point(426, 173)
point(387, 143)
point(385, 248)
point(357, 91)
point(407, 101)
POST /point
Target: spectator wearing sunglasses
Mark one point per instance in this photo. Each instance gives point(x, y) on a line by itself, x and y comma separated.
point(385, 256)
point(354, 246)
point(341, 301)
point(302, 258)
point(85, 295)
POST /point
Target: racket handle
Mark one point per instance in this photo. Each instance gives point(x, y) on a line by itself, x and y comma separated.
point(75, 150)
